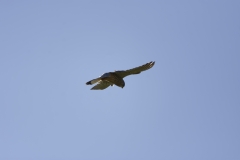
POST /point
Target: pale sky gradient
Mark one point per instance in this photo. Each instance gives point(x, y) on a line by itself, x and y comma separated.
point(187, 107)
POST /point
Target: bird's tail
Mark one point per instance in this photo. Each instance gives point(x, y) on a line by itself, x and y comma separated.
point(93, 81)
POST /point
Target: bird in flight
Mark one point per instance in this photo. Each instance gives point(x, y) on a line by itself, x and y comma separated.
point(116, 78)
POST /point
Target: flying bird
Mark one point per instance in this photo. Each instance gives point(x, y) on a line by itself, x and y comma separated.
point(116, 78)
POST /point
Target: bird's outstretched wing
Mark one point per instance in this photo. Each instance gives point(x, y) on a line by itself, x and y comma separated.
point(101, 85)
point(136, 70)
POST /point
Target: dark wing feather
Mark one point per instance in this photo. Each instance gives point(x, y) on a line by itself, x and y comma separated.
point(136, 70)
point(101, 85)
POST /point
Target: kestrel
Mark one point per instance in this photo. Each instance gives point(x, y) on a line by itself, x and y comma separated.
point(116, 78)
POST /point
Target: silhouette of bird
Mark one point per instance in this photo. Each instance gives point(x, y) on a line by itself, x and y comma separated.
point(116, 78)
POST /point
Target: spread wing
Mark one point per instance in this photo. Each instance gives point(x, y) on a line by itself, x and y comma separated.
point(136, 70)
point(101, 85)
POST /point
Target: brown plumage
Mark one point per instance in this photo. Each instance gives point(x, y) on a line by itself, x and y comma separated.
point(116, 77)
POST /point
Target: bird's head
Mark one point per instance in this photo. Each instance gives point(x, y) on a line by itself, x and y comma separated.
point(123, 84)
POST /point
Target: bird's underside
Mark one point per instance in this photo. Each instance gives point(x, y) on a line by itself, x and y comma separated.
point(116, 78)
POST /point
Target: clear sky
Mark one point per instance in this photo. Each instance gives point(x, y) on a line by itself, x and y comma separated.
point(187, 107)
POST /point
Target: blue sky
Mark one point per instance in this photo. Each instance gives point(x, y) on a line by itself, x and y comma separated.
point(186, 107)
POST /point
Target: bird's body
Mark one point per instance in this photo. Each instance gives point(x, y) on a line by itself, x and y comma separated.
point(116, 78)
